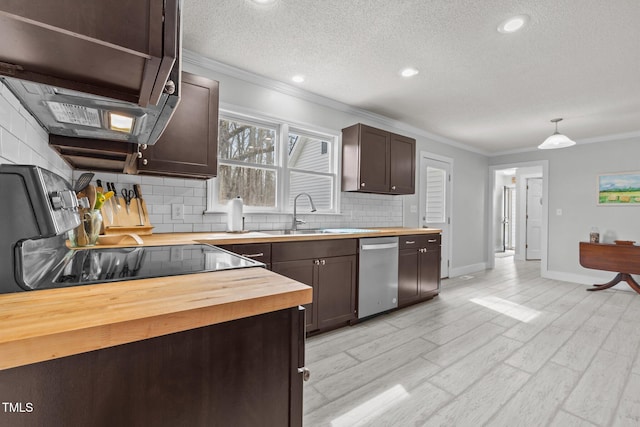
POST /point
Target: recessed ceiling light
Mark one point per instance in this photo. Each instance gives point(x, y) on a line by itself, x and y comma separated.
point(263, 2)
point(409, 72)
point(298, 78)
point(513, 24)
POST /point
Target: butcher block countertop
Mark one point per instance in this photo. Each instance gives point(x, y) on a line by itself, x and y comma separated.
point(222, 238)
point(48, 324)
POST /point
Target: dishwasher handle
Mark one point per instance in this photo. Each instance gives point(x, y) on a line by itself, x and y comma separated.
point(379, 246)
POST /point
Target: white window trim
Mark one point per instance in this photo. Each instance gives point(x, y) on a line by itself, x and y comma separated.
point(282, 176)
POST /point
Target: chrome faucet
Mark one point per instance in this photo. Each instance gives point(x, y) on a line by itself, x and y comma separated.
point(296, 221)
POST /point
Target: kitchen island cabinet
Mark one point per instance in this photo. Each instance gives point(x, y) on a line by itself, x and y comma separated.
point(206, 349)
point(330, 268)
point(377, 161)
point(418, 268)
point(238, 373)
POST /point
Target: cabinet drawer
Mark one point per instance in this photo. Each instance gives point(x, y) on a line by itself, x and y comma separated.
point(256, 251)
point(289, 251)
point(420, 241)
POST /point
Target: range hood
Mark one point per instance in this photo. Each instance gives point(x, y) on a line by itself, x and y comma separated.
point(74, 114)
point(94, 70)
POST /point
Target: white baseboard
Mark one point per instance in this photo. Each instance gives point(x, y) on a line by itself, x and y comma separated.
point(467, 269)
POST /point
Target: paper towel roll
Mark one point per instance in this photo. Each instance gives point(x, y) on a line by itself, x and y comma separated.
point(234, 214)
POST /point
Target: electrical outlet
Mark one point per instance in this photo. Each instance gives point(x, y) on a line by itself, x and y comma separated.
point(176, 254)
point(177, 211)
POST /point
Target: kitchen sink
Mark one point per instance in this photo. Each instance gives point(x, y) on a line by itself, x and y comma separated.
point(292, 232)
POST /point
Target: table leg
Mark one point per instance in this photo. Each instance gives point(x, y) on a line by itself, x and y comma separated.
point(619, 278)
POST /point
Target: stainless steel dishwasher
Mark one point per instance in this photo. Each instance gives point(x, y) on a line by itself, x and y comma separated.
point(378, 275)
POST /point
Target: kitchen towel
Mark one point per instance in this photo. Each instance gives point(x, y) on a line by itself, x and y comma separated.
point(234, 214)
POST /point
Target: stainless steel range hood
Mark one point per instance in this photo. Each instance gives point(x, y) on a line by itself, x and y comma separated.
point(98, 70)
point(75, 114)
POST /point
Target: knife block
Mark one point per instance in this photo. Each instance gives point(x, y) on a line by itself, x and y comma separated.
point(116, 219)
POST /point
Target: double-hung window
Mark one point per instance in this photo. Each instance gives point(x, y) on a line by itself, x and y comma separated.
point(268, 163)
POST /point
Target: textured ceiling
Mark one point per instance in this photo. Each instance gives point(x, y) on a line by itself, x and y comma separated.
point(576, 59)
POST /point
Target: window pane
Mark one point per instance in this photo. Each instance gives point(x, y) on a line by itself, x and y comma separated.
point(308, 153)
point(319, 187)
point(246, 142)
point(436, 181)
point(257, 187)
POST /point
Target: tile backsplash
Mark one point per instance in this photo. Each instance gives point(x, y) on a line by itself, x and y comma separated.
point(22, 139)
point(358, 210)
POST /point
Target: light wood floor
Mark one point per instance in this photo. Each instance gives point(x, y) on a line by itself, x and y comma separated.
point(501, 348)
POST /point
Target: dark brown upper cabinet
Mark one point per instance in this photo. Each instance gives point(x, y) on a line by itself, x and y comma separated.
point(118, 49)
point(188, 147)
point(377, 161)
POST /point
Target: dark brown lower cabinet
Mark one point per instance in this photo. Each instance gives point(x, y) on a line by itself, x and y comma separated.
point(238, 373)
point(330, 267)
point(418, 268)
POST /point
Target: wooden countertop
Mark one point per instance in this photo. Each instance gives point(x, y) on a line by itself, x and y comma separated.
point(47, 324)
point(222, 238)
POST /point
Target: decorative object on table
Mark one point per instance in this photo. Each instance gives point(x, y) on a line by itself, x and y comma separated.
point(594, 235)
point(557, 140)
point(624, 242)
point(234, 215)
point(619, 189)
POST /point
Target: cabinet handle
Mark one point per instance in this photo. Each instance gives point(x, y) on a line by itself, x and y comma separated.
point(362, 184)
point(432, 240)
point(145, 161)
point(323, 262)
point(169, 87)
point(316, 261)
point(139, 154)
point(306, 374)
point(409, 242)
point(253, 255)
point(393, 187)
point(143, 146)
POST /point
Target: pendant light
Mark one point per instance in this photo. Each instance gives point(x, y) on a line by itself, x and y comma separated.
point(557, 140)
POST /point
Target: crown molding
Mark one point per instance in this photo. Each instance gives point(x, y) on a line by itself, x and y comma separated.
point(268, 83)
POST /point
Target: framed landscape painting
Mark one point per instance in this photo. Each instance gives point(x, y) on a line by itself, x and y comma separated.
point(620, 189)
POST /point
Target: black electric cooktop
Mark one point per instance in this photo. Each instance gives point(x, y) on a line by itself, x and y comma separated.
point(89, 266)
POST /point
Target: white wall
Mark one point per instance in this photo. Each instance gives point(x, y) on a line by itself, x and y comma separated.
point(573, 188)
point(22, 139)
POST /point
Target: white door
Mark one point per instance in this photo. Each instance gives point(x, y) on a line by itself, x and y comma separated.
point(534, 219)
point(435, 179)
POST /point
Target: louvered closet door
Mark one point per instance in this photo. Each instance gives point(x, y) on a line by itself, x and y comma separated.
point(434, 200)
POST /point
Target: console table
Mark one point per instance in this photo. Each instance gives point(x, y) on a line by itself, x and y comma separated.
point(625, 259)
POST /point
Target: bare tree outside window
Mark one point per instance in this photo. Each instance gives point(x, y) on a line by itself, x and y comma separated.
point(247, 147)
point(268, 162)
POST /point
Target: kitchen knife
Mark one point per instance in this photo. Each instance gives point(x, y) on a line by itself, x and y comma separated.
point(115, 194)
point(138, 193)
